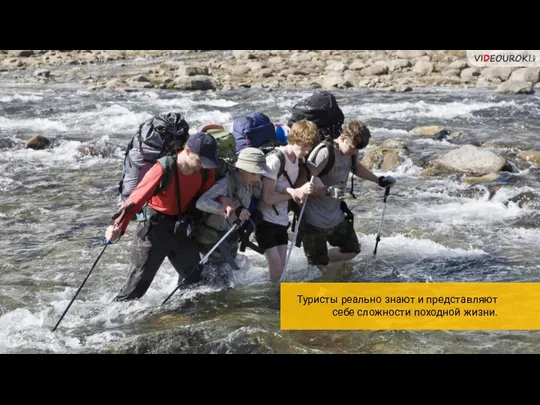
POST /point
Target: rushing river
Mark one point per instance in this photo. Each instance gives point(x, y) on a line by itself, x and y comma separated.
point(56, 203)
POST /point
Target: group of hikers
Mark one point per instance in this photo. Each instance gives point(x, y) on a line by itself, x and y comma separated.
point(195, 202)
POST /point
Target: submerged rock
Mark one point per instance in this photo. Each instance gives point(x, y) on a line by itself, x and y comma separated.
point(531, 156)
point(38, 142)
point(429, 130)
point(528, 199)
point(482, 179)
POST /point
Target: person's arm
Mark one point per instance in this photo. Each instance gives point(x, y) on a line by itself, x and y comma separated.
point(270, 196)
point(271, 193)
point(365, 173)
point(314, 166)
point(318, 187)
point(134, 203)
point(210, 200)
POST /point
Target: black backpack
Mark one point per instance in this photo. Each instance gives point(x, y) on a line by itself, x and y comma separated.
point(159, 136)
point(322, 109)
point(157, 140)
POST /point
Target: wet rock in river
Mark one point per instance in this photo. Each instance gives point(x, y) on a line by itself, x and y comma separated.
point(472, 160)
point(38, 142)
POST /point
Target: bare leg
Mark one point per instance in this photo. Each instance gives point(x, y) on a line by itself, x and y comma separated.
point(344, 238)
point(336, 256)
point(275, 262)
point(283, 253)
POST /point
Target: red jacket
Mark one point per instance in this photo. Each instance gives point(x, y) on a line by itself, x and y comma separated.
point(165, 202)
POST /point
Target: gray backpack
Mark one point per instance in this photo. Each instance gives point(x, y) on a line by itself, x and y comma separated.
point(162, 135)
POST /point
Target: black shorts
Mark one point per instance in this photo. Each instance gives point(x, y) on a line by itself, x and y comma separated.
point(269, 235)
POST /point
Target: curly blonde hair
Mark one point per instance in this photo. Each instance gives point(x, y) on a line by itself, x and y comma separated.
point(304, 133)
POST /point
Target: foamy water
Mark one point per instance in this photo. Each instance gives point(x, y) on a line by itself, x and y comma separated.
point(56, 203)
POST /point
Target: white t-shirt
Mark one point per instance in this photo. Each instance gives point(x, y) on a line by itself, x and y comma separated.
point(273, 163)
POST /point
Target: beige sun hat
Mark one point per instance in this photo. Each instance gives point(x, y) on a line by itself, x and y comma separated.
point(252, 160)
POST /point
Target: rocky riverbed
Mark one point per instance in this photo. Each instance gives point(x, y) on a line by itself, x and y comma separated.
point(129, 70)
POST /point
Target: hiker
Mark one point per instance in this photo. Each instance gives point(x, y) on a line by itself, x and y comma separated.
point(281, 187)
point(254, 130)
point(167, 230)
point(225, 202)
point(326, 216)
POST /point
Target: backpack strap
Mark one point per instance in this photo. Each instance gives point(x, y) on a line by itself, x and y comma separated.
point(281, 156)
point(126, 158)
point(170, 169)
point(177, 187)
point(353, 171)
point(282, 171)
point(331, 161)
point(205, 173)
point(331, 156)
point(168, 163)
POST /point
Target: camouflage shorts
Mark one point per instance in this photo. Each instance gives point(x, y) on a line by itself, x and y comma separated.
point(314, 241)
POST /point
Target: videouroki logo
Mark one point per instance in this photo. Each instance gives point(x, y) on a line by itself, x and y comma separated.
point(512, 58)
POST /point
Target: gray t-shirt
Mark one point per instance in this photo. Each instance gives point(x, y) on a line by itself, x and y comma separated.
point(324, 211)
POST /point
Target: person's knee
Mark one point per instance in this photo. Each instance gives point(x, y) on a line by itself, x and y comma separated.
point(315, 248)
point(351, 248)
point(345, 238)
point(317, 258)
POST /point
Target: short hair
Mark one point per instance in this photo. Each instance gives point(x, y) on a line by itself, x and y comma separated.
point(358, 132)
point(304, 133)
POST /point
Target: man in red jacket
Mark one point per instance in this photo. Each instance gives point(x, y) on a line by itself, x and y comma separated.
point(166, 232)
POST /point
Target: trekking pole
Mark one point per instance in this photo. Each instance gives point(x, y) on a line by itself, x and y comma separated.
point(386, 193)
point(107, 243)
point(293, 242)
point(203, 260)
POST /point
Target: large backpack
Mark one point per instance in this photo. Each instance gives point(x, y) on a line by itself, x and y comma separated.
point(255, 130)
point(160, 136)
point(322, 109)
point(226, 148)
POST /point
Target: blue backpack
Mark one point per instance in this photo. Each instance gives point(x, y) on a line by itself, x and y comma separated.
point(256, 131)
